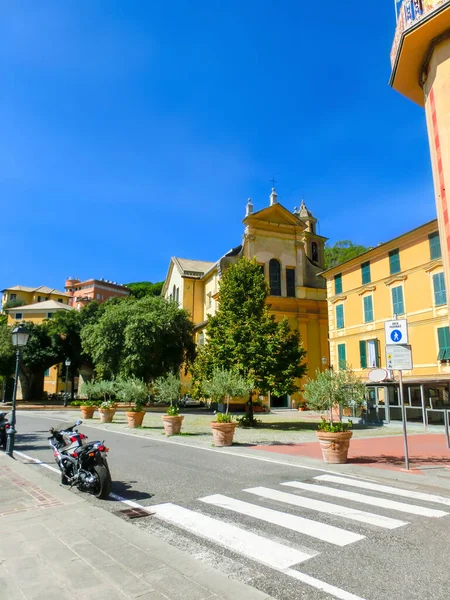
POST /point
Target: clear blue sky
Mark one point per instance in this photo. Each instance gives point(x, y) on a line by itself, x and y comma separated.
point(132, 131)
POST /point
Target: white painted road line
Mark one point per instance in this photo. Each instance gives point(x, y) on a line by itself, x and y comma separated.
point(328, 508)
point(39, 462)
point(321, 585)
point(386, 489)
point(371, 500)
point(320, 531)
point(256, 547)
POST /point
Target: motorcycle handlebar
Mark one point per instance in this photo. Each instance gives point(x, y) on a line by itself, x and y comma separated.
point(69, 428)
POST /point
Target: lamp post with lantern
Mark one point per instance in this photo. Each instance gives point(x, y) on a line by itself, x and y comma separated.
point(68, 362)
point(20, 336)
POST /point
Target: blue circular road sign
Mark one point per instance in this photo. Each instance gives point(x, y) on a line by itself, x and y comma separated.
point(396, 335)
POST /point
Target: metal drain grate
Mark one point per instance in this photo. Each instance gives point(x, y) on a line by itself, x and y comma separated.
point(134, 513)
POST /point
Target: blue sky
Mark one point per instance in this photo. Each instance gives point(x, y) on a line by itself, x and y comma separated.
point(134, 131)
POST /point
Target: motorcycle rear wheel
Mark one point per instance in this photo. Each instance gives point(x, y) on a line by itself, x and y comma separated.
point(103, 475)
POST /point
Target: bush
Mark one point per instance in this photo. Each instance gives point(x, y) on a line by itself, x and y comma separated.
point(132, 391)
point(334, 427)
point(247, 421)
point(223, 418)
point(173, 411)
point(225, 384)
point(167, 389)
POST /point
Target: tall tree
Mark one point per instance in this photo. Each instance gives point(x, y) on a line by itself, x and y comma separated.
point(139, 289)
point(144, 338)
point(341, 252)
point(243, 335)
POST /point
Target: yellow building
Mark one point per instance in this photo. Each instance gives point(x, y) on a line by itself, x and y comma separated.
point(31, 295)
point(420, 59)
point(402, 278)
point(291, 255)
point(36, 313)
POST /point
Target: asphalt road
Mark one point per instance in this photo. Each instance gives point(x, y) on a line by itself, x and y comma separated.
point(201, 506)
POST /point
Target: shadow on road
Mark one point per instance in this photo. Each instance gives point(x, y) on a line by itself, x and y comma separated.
point(126, 490)
point(32, 441)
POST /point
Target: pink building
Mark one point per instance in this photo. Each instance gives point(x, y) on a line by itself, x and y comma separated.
point(100, 290)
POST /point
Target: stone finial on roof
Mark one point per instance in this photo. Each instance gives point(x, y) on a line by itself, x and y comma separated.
point(273, 197)
point(304, 212)
point(249, 208)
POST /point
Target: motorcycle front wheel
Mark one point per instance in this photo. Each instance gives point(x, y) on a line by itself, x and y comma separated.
point(103, 475)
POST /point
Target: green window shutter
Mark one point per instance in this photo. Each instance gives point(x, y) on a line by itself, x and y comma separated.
point(397, 300)
point(363, 354)
point(377, 355)
point(342, 358)
point(435, 245)
point(444, 343)
point(340, 316)
point(394, 261)
point(368, 309)
point(338, 284)
point(365, 272)
point(440, 296)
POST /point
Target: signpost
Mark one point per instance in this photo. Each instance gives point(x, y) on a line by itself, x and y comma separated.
point(399, 357)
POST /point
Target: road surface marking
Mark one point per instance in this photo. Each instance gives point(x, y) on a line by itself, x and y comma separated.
point(256, 547)
point(386, 488)
point(321, 585)
point(328, 508)
point(320, 531)
point(371, 500)
point(39, 462)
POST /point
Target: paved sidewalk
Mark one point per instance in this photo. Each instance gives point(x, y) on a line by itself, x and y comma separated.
point(60, 545)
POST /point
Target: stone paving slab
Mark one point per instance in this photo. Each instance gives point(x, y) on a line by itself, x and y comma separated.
point(58, 542)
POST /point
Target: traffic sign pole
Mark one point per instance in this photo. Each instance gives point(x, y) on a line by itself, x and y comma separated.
point(405, 435)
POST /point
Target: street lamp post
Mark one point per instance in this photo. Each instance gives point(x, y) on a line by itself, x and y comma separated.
point(67, 363)
point(20, 336)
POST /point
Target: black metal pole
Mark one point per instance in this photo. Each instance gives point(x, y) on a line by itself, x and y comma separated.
point(12, 430)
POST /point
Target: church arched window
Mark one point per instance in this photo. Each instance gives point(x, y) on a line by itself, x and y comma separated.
point(275, 277)
point(315, 252)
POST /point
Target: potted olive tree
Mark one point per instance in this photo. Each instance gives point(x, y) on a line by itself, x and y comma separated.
point(330, 389)
point(133, 391)
point(167, 389)
point(89, 401)
point(221, 387)
point(108, 406)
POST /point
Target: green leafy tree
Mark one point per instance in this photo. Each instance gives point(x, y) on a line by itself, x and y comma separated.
point(341, 252)
point(140, 289)
point(225, 384)
point(334, 388)
point(13, 304)
point(167, 389)
point(132, 391)
point(144, 338)
point(7, 354)
point(243, 335)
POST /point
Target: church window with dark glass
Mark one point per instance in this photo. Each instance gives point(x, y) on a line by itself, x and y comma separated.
point(275, 277)
point(290, 282)
point(314, 252)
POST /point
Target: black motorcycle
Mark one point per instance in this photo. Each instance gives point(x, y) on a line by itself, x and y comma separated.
point(4, 426)
point(81, 463)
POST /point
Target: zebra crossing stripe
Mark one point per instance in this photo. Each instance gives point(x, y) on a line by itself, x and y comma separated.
point(328, 508)
point(366, 485)
point(321, 585)
point(315, 529)
point(371, 500)
point(258, 548)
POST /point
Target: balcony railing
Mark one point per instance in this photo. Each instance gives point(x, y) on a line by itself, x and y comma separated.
point(409, 12)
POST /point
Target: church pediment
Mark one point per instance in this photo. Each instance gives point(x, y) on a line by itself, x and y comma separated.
point(276, 215)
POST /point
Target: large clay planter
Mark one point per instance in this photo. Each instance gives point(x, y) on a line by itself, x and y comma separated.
point(172, 425)
point(223, 433)
point(87, 412)
point(135, 419)
point(106, 414)
point(334, 446)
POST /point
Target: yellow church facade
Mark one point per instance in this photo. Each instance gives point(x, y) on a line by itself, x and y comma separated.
point(291, 255)
point(400, 279)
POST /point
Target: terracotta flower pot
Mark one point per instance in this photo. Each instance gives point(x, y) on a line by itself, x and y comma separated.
point(223, 433)
point(106, 414)
point(172, 425)
point(135, 419)
point(87, 412)
point(334, 446)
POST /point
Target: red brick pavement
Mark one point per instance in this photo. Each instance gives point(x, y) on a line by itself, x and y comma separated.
point(24, 495)
point(380, 452)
